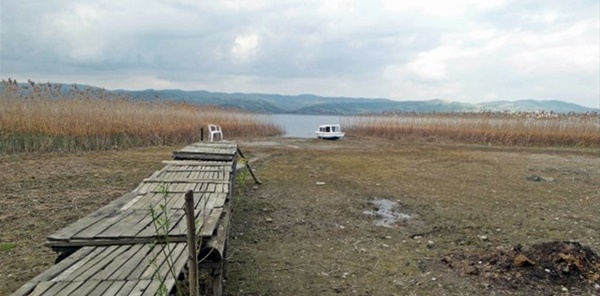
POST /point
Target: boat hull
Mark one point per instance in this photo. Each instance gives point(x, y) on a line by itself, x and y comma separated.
point(330, 135)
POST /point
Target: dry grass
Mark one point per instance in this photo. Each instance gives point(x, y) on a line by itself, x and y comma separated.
point(44, 118)
point(291, 236)
point(576, 130)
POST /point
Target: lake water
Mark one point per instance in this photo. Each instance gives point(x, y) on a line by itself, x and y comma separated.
point(303, 126)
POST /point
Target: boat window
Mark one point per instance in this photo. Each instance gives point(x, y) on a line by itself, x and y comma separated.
point(328, 129)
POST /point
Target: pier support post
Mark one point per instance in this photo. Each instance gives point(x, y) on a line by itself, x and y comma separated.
point(191, 243)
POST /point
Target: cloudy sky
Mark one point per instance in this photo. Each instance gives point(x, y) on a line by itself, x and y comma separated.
point(463, 50)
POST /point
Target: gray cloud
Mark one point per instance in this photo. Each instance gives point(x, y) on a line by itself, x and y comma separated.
point(460, 50)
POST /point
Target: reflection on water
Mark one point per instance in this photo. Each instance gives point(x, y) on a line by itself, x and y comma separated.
point(304, 126)
point(387, 213)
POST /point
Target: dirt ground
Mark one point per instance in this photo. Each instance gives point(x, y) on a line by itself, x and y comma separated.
point(351, 217)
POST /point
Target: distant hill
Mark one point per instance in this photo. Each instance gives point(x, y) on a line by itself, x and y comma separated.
point(313, 104)
point(533, 105)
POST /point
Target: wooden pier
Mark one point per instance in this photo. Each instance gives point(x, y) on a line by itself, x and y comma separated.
point(136, 245)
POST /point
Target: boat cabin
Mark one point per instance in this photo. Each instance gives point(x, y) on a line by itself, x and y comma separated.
point(330, 131)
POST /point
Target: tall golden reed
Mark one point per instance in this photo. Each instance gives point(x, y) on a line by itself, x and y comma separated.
point(42, 117)
point(522, 129)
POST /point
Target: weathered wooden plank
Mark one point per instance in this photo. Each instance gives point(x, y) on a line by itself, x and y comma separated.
point(72, 287)
point(55, 289)
point(179, 186)
point(84, 288)
point(98, 264)
point(157, 261)
point(197, 163)
point(132, 202)
point(41, 288)
point(144, 202)
point(140, 257)
point(212, 187)
point(202, 156)
point(140, 288)
point(210, 222)
point(180, 255)
point(116, 262)
point(54, 270)
point(81, 224)
point(173, 181)
point(193, 170)
point(102, 225)
point(176, 198)
point(196, 187)
point(100, 242)
point(145, 187)
point(155, 188)
point(188, 186)
point(127, 288)
point(115, 288)
point(124, 227)
point(212, 200)
point(86, 267)
point(76, 265)
point(164, 175)
point(152, 261)
point(201, 199)
point(213, 149)
point(179, 260)
point(156, 199)
point(216, 200)
point(140, 223)
point(201, 187)
point(136, 229)
point(208, 148)
point(195, 174)
point(154, 286)
point(25, 289)
point(214, 248)
point(148, 227)
point(104, 288)
point(141, 185)
point(176, 175)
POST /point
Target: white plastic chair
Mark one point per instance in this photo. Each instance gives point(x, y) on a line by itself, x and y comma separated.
point(214, 130)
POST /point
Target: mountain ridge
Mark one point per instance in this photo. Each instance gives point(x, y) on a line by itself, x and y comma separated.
point(315, 104)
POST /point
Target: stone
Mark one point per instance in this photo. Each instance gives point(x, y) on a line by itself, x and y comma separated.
point(522, 261)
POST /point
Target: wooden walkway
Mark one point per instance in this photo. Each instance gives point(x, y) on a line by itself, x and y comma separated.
point(121, 249)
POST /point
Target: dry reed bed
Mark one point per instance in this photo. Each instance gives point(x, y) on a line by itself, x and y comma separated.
point(504, 130)
point(44, 118)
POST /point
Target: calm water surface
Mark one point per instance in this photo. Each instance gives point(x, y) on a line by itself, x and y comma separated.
point(304, 126)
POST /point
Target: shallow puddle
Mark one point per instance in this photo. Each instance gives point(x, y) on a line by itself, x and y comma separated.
point(387, 213)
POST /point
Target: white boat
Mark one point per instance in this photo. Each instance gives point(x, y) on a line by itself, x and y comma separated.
point(330, 132)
